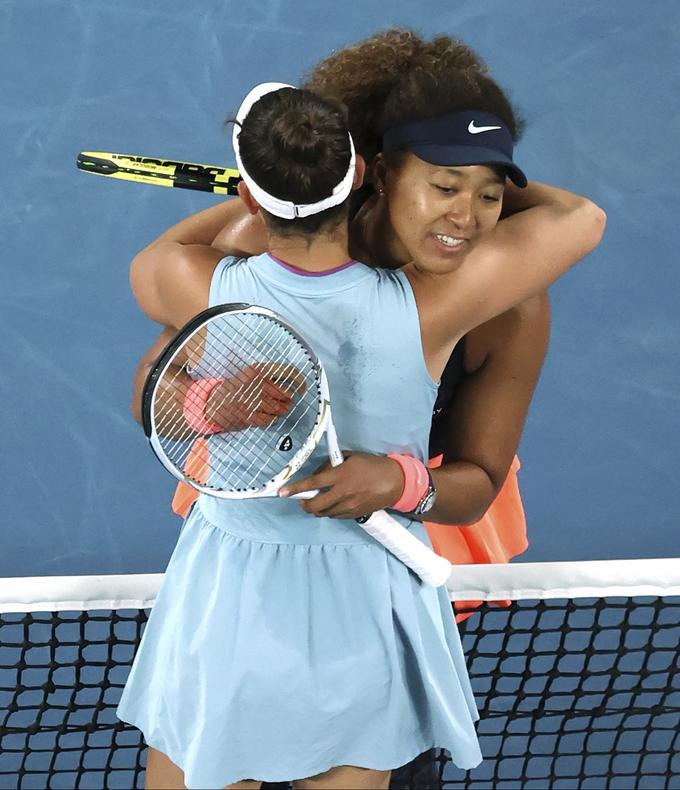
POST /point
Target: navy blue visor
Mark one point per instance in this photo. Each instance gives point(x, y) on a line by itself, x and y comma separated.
point(470, 137)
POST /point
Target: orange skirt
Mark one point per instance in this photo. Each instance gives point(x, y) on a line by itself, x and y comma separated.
point(196, 466)
point(498, 536)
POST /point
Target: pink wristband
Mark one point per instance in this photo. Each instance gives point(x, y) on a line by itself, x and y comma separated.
point(195, 402)
point(416, 482)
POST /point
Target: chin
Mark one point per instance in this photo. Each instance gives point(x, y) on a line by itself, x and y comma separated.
point(440, 265)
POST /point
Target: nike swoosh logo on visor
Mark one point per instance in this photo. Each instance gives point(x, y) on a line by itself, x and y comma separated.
point(479, 129)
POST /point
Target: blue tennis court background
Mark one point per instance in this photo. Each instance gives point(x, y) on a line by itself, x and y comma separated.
point(598, 83)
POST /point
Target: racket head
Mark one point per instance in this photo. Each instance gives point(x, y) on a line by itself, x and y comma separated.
point(255, 356)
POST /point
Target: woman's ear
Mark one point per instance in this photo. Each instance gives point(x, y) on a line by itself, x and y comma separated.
point(247, 199)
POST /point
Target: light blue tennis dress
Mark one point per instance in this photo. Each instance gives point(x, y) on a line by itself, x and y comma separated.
point(281, 644)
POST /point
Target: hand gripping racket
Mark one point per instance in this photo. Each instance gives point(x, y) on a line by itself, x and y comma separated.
point(268, 408)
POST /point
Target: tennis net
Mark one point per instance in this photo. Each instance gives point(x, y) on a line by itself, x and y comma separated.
point(576, 681)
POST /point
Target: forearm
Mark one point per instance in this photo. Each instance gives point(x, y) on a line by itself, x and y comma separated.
point(480, 428)
point(464, 493)
point(169, 399)
point(143, 369)
point(535, 195)
point(138, 387)
point(201, 228)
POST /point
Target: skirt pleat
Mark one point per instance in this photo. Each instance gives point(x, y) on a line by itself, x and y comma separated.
point(278, 661)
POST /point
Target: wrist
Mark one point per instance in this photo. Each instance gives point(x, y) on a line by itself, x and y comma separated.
point(195, 403)
point(416, 482)
point(428, 499)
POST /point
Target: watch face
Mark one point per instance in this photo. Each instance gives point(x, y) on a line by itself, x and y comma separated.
point(427, 502)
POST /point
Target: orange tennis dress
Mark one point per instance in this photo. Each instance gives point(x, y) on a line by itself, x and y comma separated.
point(498, 536)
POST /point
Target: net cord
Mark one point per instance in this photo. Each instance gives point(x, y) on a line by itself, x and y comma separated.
point(519, 581)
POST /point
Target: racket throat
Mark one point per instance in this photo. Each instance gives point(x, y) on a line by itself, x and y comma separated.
point(334, 452)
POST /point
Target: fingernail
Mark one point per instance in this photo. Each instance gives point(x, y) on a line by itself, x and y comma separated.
point(283, 492)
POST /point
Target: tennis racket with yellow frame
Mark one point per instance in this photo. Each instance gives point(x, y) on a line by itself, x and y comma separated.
point(160, 172)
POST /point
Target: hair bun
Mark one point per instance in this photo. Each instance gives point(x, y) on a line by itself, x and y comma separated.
point(295, 145)
point(297, 139)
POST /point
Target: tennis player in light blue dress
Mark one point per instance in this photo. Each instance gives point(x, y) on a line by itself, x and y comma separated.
point(283, 645)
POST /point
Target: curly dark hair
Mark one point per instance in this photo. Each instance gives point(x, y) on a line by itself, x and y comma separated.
point(397, 76)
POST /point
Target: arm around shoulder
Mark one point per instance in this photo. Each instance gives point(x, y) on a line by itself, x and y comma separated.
point(171, 281)
point(550, 232)
point(541, 211)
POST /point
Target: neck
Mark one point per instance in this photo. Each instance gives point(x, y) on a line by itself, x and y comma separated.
point(312, 253)
point(373, 240)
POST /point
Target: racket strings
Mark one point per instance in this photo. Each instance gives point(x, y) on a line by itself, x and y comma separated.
point(252, 394)
point(256, 449)
point(212, 366)
point(254, 438)
point(248, 350)
point(254, 442)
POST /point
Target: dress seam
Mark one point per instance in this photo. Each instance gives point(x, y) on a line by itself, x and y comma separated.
point(248, 539)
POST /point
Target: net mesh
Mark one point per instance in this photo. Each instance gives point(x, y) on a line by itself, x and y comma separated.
point(572, 693)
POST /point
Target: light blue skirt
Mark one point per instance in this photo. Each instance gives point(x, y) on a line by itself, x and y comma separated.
point(280, 660)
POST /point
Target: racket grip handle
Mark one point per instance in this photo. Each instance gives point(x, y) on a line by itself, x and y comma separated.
point(305, 494)
point(432, 569)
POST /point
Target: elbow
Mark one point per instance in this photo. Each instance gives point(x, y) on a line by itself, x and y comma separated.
point(479, 505)
point(459, 517)
point(594, 224)
point(149, 269)
point(465, 501)
point(136, 273)
point(477, 512)
point(149, 265)
point(473, 518)
point(599, 222)
point(139, 273)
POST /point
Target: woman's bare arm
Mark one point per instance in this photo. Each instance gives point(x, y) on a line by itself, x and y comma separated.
point(483, 427)
point(170, 277)
point(550, 232)
point(227, 226)
point(144, 366)
point(483, 424)
point(477, 460)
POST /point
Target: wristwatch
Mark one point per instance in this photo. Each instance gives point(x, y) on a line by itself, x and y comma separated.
point(428, 499)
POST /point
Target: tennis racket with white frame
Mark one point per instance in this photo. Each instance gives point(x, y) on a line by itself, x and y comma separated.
point(268, 408)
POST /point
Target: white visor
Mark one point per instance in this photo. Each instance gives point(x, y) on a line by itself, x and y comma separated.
point(286, 209)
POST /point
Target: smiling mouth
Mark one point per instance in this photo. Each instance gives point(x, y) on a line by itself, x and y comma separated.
point(452, 242)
